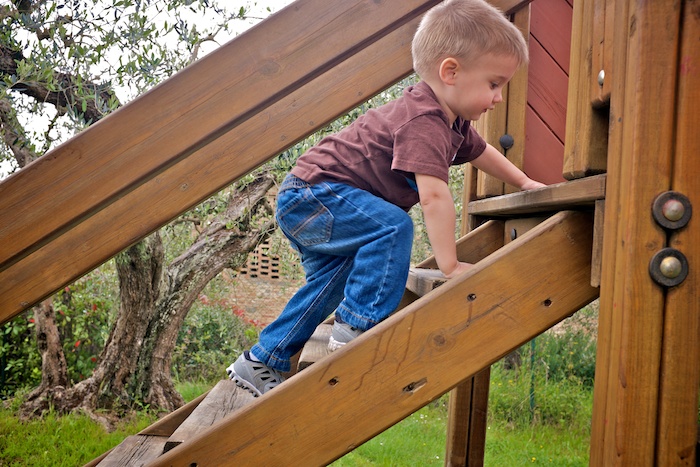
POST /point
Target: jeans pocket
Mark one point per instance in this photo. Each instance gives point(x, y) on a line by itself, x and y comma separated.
point(303, 218)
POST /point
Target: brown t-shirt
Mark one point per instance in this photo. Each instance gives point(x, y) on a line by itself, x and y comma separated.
point(383, 149)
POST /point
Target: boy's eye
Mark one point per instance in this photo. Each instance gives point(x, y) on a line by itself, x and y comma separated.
point(494, 85)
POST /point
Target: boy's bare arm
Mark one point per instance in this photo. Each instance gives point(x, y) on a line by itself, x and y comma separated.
point(439, 214)
point(494, 163)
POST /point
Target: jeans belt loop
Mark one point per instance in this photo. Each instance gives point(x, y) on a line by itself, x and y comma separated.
point(292, 181)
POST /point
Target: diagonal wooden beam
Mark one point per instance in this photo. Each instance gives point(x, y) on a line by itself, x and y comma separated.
point(111, 221)
point(412, 358)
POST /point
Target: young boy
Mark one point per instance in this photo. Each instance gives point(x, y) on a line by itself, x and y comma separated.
point(344, 205)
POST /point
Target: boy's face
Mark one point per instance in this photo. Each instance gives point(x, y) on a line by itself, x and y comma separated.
point(476, 88)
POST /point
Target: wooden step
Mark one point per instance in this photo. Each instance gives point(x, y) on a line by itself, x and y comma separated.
point(316, 347)
point(223, 400)
point(137, 450)
point(422, 281)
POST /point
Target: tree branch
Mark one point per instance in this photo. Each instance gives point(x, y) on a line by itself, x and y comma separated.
point(14, 136)
point(66, 97)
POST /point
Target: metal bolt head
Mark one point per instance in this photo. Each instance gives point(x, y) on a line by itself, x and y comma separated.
point(601, 77)
point(670, 267)
point(506, 141)
point(673, 210)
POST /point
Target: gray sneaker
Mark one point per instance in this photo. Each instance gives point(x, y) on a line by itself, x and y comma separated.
point(341, 334)
point(253, 376)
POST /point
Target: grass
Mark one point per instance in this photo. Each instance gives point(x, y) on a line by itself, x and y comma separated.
point(75, 439)
point(554, 431)
point(71, 440)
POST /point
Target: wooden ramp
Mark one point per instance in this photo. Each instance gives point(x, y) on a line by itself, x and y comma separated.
point(420, 353)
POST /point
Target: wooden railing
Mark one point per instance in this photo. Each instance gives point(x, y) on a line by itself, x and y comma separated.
point(199, 131)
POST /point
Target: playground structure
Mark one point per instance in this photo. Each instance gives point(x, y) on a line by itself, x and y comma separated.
point(618, 226)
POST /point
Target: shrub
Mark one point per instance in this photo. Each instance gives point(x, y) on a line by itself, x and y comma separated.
point(213, 334)
point(20, 361)
point(549, 379)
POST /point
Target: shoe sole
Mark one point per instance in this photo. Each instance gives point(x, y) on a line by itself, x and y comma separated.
point(243, 384)
point(334, 345)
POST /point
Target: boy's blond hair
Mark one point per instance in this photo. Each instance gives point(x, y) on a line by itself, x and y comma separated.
point(464, 29)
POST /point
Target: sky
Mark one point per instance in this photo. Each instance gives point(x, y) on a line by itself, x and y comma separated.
point(258, 9)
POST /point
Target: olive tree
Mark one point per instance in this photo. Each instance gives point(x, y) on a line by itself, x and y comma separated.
point(65, 64)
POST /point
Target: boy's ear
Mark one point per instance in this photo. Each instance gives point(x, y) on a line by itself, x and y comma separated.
point(448, 70)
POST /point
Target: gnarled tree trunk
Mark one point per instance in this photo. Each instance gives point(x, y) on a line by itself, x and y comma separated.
point(154, 301)
point(222, 244)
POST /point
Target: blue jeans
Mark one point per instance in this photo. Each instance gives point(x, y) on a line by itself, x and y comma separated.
point(356, 251)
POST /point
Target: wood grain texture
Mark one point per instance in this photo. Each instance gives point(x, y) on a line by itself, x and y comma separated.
point(632, 334)
point(224, 399)
point(551, 27)
point(544, 152)
point(411, 358)
point(547, 90)
point(423, 281)
point(316, 347)
point(677, 430)
point(136, 450)
point(583, 192)
point(586, 128)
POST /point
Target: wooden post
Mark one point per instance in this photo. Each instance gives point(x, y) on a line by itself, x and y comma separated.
point(586, 127)
point(628, 397)
point(680, 354)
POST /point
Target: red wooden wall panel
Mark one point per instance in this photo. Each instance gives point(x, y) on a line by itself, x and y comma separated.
point(547, 166)
point(545, 122)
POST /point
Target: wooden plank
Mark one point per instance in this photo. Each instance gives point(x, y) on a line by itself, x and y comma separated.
point(223, 400)
point(491, 126)
point(509, 7)
point(517, 102)
point(544, 152)
point(677, 431)
point(136, 451)
point(316, 347)
point(411, 358)
point(160, 429)
point(598, 236)
point(516, 228)
point(551, 27)
point(423, 281)
point(586, 128)
point(635, 303)
point(603, 32)
point(466, 431)
point(608, 48)
point(547, 91)
point(230, 156)
point(608, 319)
point(466, 421)
point(168, 424)
point(184, 114)
point(475, 245)
point(597, 49)
point(583, 192)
